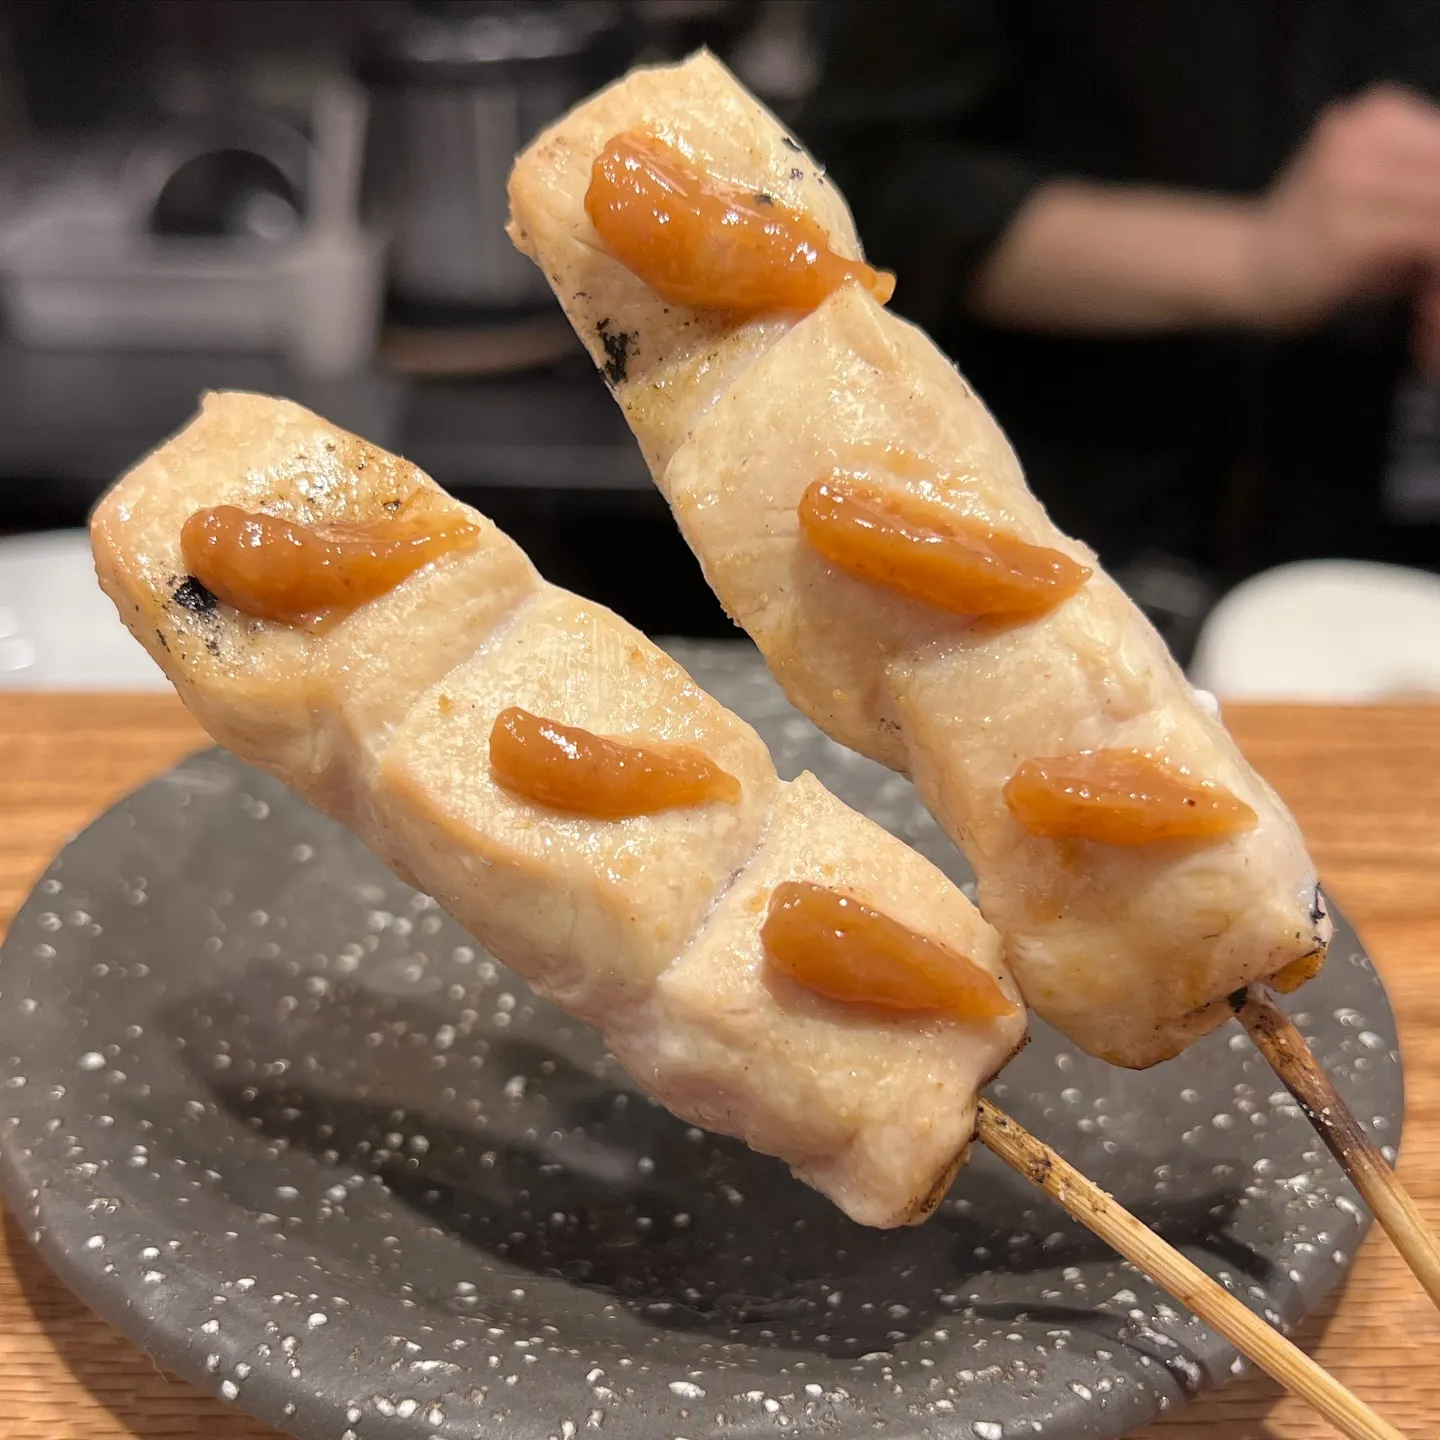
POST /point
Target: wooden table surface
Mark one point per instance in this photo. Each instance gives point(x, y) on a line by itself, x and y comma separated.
point(1365, 784)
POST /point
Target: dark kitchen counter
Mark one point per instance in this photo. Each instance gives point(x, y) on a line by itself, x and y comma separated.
point(77, 417)
point(545, 453)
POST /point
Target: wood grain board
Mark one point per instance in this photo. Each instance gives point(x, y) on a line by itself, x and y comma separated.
point(1365, 784)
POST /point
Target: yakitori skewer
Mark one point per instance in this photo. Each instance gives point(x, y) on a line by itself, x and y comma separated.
point(1086, 1202)
point(331, 615)
point(566, 791)
point(859, 512)
point(1278, 1040)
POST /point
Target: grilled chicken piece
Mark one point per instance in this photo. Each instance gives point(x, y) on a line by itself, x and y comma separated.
point(648, 927)
point(1129, 949)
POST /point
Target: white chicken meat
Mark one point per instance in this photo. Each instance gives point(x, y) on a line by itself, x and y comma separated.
point(646, 927)
point(1129, 950)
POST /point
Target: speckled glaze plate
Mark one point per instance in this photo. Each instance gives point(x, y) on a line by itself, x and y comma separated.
point(278, 1119)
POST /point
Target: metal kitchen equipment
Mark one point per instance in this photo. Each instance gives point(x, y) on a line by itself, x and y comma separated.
point(234, 233)
point(457, 90)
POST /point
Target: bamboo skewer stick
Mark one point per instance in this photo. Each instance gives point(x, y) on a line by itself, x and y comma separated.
point(1284, 1047)
point(1091, 1206)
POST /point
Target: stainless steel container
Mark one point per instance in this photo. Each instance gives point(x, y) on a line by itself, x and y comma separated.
point(458, 89)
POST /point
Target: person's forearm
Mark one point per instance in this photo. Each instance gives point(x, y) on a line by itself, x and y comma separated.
point(1099, 259)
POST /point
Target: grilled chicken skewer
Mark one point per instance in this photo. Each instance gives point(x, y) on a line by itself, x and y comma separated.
point(331, 616)
point(858, 511)
point(569, 795)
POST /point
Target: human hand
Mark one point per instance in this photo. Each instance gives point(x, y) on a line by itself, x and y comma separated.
point(1355, 212)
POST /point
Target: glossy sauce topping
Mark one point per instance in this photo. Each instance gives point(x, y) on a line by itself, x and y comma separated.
point(917, 550)
point(840, 948)
point(567, 768)
point(1298, 972)
point(700, 242)
point(313, 575)
point(1121, 797)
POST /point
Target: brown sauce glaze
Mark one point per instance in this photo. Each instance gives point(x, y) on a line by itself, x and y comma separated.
point(700, 242)
point(566, 768)
point(843, 949)
point(1121, 797)
point(949, 562)
point(314, 575)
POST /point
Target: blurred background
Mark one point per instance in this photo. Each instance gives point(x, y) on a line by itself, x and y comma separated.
point(1189, 253)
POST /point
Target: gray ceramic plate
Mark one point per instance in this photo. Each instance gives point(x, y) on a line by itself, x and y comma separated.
point(274, 1116)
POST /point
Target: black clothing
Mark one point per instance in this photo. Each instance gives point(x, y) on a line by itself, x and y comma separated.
point(937, 120)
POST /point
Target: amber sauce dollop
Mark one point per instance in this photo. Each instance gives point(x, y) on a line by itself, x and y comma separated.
point(314, 575)
point(840, 948)
point(1291, 977)
point(1121, 797)
point(919, 551)
point(700, 242)
point(567, 768)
